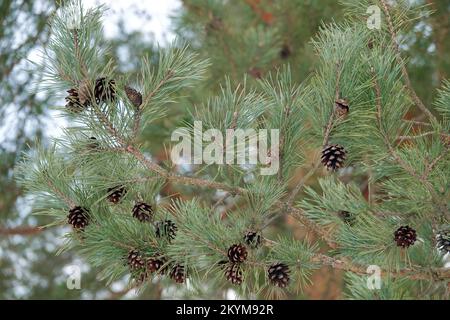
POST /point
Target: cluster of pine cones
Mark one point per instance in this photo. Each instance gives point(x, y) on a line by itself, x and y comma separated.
point(142, 268)
point(103, 90)
point(79, 216)
point(278, 273)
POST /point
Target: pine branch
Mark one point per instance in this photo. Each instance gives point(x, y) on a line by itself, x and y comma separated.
point(22, 231)
point(410, 170)
point(303, 181)
point(405, 74)
point(330, 124)
point(433, 274)
point(107, 240)
point(326, 136)
point(425, 134)
point(137, 122)
point(69, 202)
point(84, 68)
point(167, 77)
point(297, 213)
point(432, 164)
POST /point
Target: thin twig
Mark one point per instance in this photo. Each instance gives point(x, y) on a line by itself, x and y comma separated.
point(432, 164)
point(326, 137)
point(69, 202)
point(137, 122)
point(403, 138)
point(302, 182)
point(399, 58)
point(84, 69)
point(407, 167)
point(329, 127)
point(420, 123)
point(342, 264)
point(22, 230)
point(166, 78)
point(413, 274)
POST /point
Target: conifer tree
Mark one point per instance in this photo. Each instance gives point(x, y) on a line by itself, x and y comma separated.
point(348, 116)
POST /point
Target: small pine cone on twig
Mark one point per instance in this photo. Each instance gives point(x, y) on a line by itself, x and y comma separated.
point(166, 228)
point(134, 96)
point(135, 260)
point(142, 211)
point(73, 103)
point(341, 107)
point(252, 239)
point(286, 51)
point(278, 274)
point(237, 253)
point(347, 217)
point(177, 273)
point(78, 217)
point(115, 194)
point(333, 156)
point(156, 264)
point(405, 236)
point(233, 273)
point(104, 90)
point(93, 144)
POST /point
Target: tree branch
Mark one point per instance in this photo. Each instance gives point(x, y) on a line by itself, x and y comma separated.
point(22, 230)
point(434, 274)
point(326, 137)
point(405, 74)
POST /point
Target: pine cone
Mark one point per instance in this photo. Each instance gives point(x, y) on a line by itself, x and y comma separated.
point(78, 217)
point(115, 194)
point(134, 96)
point(255, 72)
point(252, 239)
point(177, 274)
point(333, 156)
point(237, 253)
point(166, 228)
point(93, 143)
point(156, 264)
point(445, 139)
point(73, 103)
point(341, 107)
point(135, 260)
point(84, 92)
point(104, 90)
point(278, 274)
point(285, 51)
point(142, 211)
point(405, 236)
point(347, 217)
point(233, 273)
point(443, 241)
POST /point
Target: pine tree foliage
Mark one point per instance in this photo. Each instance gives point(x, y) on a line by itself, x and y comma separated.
point(405, 167)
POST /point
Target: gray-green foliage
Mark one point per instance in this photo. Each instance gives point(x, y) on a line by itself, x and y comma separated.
point(407, 182)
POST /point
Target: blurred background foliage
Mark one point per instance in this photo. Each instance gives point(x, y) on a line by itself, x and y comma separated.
point(247, 39)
